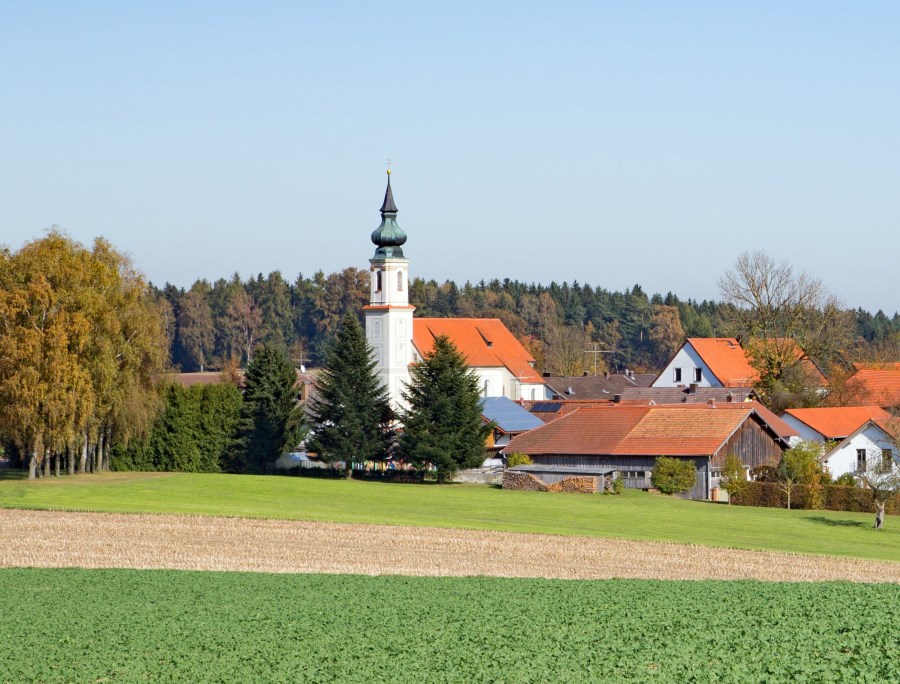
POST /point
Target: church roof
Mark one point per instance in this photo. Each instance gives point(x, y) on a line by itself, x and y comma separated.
point(485, 342)
point(388, 237)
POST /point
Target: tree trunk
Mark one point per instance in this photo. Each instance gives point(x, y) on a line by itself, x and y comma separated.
point(45, 464)
point(879, 514)
point(70, 460)
point(84, 453)
point(107, 446)
point(32, 464)
point(56, 460)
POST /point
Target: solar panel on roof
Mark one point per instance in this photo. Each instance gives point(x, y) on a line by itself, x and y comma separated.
point(546, 407)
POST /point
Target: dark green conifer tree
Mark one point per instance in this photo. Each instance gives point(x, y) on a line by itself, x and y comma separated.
point(443, 425)
point(351, 416)
point(271, 419)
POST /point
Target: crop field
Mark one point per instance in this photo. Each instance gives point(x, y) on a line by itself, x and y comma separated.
point(634, 515)
point(131, 626)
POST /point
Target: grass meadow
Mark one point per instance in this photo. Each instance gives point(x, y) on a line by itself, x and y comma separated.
point(149, 626)
point(634, 515)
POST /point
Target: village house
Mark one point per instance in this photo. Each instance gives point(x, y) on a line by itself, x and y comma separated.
point(829, 424)
point(508, 420)
point(627, 439)
point(872, 440)
point(721, 362)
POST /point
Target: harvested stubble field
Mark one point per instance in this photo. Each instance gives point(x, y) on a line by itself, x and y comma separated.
point(107, 540)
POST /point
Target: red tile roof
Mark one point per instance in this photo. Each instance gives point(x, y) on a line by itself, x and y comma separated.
point(726, 359)
point(730, 363)
point(485, 342)
point(879, 385)
point(634, 431)
point(838, 421)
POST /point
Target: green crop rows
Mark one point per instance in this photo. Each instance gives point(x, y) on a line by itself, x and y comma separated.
point(131, 626)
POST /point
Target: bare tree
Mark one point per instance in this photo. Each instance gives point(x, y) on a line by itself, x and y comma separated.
point(784, 318)
point(881, 475)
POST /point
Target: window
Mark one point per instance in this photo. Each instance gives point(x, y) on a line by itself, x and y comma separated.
point(677, 374)
point(399, 281)
point(887, 458)
point(698, 375)
point(377, 281)
point(860, 460)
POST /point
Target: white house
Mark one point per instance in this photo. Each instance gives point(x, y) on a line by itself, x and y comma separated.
point(708, 362)
point(830, 424)
point(861, 448)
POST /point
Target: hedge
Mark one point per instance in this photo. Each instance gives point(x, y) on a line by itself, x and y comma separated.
point(836, 497)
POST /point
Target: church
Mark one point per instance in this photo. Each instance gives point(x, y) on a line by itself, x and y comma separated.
point(504, 367)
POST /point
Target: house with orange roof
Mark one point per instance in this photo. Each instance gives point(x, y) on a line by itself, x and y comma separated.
point(832, 423)
point(708, 362)
point(879, 383)
point(628, 439)
point(872, 442)
point(504, 367)
point(722, 362)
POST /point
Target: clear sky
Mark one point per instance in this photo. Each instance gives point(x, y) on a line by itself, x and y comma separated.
point(611, 143)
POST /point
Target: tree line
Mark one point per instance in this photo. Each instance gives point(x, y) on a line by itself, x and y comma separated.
point(570, 329)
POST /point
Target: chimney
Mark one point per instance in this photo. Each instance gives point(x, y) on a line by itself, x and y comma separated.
point(617, 398)
point(692, 388)
point(729, 397)
point(711, 403)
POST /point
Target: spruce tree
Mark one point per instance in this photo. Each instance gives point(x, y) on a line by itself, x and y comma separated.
point(351, 416)
point(443, 425)
point(271, 419)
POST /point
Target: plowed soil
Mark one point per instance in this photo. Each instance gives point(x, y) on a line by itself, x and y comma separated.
point(49, 539)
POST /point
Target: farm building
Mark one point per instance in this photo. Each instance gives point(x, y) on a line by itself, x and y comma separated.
point(877, 383)
point(629, 439)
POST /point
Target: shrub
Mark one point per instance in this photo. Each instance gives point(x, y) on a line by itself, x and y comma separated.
point(517, 458)
point(846, 480)
point(672, 475)
point(734, 477)
point(616, 486)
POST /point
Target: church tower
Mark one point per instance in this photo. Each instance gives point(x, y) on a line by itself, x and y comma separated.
point(389, 316)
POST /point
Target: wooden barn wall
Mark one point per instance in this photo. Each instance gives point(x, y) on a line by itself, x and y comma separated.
point(628, 464)
point(752, 444)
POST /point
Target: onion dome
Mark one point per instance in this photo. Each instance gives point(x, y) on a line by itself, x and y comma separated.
point(388, 236)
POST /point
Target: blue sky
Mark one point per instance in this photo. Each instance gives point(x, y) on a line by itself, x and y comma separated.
point(609, 143)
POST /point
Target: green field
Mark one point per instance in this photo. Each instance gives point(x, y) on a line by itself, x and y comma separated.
point(128, 626)
point(634, 515)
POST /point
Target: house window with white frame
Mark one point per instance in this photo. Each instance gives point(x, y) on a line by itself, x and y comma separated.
point(698, 375)
point(676, 374)
point(887, 458)
point(860, 460)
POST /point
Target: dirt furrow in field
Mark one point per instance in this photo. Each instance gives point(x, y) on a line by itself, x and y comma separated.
point(106, 540)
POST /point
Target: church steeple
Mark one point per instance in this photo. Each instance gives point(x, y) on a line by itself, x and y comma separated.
point(388, 236)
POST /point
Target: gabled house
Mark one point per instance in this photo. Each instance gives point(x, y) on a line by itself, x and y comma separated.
point(503, 365)
point(828, 424)
point(629, 439)
point(723, 362)
point(871, 440)
point(708, 362)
